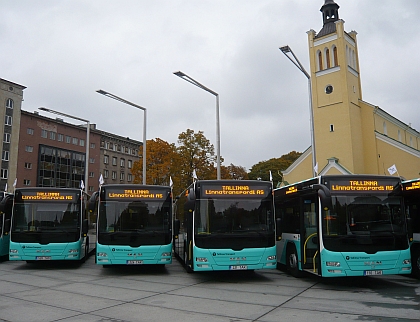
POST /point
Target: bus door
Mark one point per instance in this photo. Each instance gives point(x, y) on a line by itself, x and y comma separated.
point(309, 233)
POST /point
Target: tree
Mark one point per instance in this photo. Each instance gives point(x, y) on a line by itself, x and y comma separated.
point(161, 160)
point(195, 153)
point(262, 169)
point(234, 172)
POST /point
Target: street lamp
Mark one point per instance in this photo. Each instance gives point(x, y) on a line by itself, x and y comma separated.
point(87, 139)
point(286, 50)
point(194, 82)
point(100, 91)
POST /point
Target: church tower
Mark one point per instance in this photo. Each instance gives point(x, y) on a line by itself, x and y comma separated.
point(336, 92)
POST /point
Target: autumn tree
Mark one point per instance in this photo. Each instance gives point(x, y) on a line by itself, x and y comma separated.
point(233, 172)
point(195, 153)
point(161, 160)
point(262, 169)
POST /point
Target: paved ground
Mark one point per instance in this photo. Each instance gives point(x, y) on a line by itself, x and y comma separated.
point(88, 292)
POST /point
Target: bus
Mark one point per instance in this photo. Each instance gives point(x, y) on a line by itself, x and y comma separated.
point(411, 191)
point(5, 215)
point(225, 225)
point(134, 224)
point(342, 225)
point(47, 224)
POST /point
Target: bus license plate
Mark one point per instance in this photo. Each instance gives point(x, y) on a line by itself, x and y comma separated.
point(372, 273)
point(134, 262)
point(43, 258)
point(238, 267)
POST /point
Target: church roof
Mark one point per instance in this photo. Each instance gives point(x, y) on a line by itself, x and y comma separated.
point(329, 16)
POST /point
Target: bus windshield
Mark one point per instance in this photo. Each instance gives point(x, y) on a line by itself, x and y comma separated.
point(134, 223)
point(368, 223)
point(46, 221)
point(223, 223)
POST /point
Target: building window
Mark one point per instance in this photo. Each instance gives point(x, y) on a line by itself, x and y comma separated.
point(5, 156)
point(60, 137)
point(327, 57)
point(90, 188)
point(130, 164)
point(8, 120)
point(106, 174)
point(122, 163)
point(331, 127)
point(129, 177)
point(68, 139)
point(91, 174)
point(114, 160)
point(320, 61)
point(130, 151)
point(92, 145)
point(29, 148)
point(82, 142)
point(9, 103)
point(75, 141)
point(52, 135)
point(385, 129)
point(122, 176)
point(4, 173)
point(335, 55)
point(91, 160)
point(44, 134)
point(107, 145)
point(28, 165)
point(30, 131)
point(114, 175)
point(6, 138)
point(106, 159)
point(26, 182)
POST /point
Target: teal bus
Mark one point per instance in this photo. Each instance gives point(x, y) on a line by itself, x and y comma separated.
point(48, 224)
point(225, 225)
point(5, 215)
point(411, 194)
point(134, 224)
point(342, 225)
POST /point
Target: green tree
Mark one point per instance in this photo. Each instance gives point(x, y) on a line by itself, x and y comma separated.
point(262, 169)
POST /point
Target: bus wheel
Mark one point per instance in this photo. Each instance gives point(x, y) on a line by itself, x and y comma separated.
point(292, 261)
point(86, 254)
point(415, 263)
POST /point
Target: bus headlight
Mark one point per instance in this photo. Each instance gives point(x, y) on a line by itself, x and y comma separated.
point(201, 259)
point(166, 254)
point(73, 250)
point(102, 254)
point(406, 261)
point(271, 258)
point(14, 251)
point(334, 264)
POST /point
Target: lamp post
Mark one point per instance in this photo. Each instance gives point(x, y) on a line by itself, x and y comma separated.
point(100, 91)
point(286, 50)
point(87, 139)
point(194, 82)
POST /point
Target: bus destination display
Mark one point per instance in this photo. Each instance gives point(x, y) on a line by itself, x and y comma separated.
point(361, 186)
point(234, 191)
point(411, 186)
point(47, 196)
point(135, 194)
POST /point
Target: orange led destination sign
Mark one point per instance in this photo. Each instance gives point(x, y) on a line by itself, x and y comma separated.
point(361, 186)
point(412, 186)
point(290, 190)
point(48, 196)
point(234, 191)
point(135, 194)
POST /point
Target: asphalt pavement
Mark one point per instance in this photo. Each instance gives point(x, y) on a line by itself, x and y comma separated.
point(52, 291)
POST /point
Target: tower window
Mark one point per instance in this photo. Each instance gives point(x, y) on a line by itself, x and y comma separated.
point(335, 56)
point(331, 127)
point(320, 60)
point(327, 57)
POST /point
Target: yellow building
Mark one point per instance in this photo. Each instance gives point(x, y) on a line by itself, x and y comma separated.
point(351, 136)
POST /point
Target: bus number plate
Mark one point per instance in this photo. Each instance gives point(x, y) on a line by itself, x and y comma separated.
point(43, 258)
point(372, 273)
point(237, 267)
point(134, 262)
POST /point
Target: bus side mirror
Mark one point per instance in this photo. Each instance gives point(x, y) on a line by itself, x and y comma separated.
point(325, 195)
point(85, 226)
point(410, 229)
point(279, 227)
point(177, 227)
point(7, 224)
point(92, 202)
point(190, 203)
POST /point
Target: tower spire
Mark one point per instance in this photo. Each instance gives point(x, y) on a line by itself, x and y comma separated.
point(329, 16)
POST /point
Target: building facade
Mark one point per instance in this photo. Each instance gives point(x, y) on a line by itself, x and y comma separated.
point(350, 135)
point(52, 153)
point(11, 97)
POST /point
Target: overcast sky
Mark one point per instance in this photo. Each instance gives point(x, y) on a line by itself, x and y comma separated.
point(63, 51)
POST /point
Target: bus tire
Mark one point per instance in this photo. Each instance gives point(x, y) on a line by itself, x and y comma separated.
point(86, 255)
point(415, 262)
point(292, 263)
